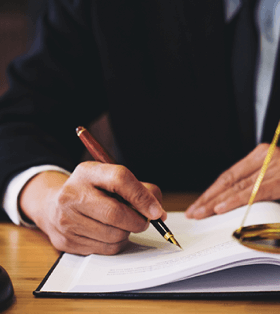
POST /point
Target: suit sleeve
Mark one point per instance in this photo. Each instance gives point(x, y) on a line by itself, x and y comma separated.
point(54, 88)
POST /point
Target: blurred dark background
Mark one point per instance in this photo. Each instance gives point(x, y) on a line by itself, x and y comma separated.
point(17, 25)
point(17, 28)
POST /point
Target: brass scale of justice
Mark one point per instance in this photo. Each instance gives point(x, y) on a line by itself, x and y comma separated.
point(261, 237)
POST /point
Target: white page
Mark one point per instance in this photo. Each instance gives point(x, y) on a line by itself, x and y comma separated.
point(252, 278)
point(151, 261)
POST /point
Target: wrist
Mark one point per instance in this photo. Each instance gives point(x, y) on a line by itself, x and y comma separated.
point(39, 192)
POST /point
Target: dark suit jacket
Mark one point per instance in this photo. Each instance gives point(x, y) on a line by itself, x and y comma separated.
point(159, 67)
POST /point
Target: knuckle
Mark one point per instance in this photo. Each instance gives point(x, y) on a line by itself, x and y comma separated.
point(252, 181)
point(112, 214)
point(64, 222)
point(116, 236)
point(83, 166)
point(141, 226)
point(239, 186)
point(80, 168)
point(68, 245)
point(64, 225)
point(84, 170)
point(66, 194)
point(120, 174)
point(113, 249)
point(226, 179)
point(63, 199)
point(141, 196)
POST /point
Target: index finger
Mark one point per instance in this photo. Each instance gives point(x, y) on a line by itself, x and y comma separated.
point(118, 179)
point(242, 169)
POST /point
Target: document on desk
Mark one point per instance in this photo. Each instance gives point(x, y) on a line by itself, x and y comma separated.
point(211, 261)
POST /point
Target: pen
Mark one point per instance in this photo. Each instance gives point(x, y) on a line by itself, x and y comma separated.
point(99, 154)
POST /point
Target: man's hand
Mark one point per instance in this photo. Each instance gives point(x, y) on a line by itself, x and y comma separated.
point(233, 188)
point(80, 216)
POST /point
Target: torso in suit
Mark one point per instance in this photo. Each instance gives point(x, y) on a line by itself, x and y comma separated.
point(159, 67)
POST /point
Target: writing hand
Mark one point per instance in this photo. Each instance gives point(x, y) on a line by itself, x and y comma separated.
point(80, 217)
point(233, 188)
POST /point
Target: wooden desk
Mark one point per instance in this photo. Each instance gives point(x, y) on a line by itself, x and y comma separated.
point(27, 256)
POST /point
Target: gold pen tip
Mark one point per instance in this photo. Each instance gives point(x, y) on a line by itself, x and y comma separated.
point(170, 237)
point(174, 241)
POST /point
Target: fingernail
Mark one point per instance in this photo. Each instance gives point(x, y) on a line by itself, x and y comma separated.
point(189, 211)
point(155, 211)
point(220, 208)
point(200, 211)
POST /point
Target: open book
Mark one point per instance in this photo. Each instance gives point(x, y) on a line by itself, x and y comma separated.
point(211, 261)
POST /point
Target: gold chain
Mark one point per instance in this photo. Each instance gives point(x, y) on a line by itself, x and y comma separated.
point(263, 171)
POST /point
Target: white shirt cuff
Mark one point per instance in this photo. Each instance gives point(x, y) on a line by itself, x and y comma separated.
point(10, 200)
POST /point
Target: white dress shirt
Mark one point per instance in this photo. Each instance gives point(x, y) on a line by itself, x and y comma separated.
point(267, 20)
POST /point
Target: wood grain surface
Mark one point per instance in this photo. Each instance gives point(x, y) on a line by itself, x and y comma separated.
point(27, 256)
